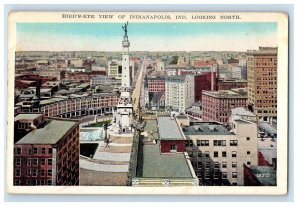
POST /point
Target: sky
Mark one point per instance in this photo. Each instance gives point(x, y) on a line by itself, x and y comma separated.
point(146, 36)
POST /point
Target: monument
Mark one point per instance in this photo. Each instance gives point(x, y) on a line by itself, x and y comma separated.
point(123, 115)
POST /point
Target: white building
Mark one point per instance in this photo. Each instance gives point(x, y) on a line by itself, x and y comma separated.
point(218, 153)
point(180, 93)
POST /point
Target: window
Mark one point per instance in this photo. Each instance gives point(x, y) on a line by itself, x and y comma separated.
point(248, 138)
point(216, 165)
point(34, 173)
point(18, 161)
point(248, 163)
point(18, 172)
point(199, 165)
point(234, 175)
point(198, 143)
point(234, 183)
point(206, 154)
point(35, 161)
point(18, 150)
point(42, 173)
point(224, 154)
point(233, 153)
point(50, 150)
point(49, 182)
point(233, 142)
point(199, 154)
point(248, 152)
point(49, 173)
point(207, 165)
point(224, 164)
point(35, 150)
point(43, 150)
point(204, 143)
point(28, 172)
point(17, 182)
point(206, 175)
point(43, 161)
point(224, 175)
point(29, 151)
point(173, 148)
point(216, 154)
point(219, 142)
point(234, 164)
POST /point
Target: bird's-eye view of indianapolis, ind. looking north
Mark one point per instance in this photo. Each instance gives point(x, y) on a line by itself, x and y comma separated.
point(145, 104)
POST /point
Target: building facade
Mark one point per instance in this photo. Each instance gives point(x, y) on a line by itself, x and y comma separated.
point(205, 81)
point(262, 82)
point(180, 92)
point(218, 153)
point(48, 155)
point(217, 105)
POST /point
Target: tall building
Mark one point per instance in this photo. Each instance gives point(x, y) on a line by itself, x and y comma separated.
point(48, 154)
point(262, 82)
point(180, 93)
point(204, 81)
point(217, 105)
point(218, 153)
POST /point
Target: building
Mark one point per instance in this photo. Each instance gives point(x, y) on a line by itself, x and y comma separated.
point(262, 82)
point(180, 92)
point(242, 113)
point(183, 61)
point(63, 106)
point(227, 84)
point(154, 92)
point(217, 105)
point(48, 155)
point(218, 153)
point(99, 80)
point(164, 161)
point(204, 81)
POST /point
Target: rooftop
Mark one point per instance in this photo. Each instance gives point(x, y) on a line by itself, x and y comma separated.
point(266, 175)
point(240, 93)
point(206, 128)
point(151, 128)
point(50, 134)
point(168, 129)
point(158, 165)
point(31, 116)
point(242, 112)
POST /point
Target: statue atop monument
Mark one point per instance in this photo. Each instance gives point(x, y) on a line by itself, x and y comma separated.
point(125, 28)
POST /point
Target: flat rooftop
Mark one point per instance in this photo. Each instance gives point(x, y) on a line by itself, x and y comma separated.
point(50, 134)
point(266, 175)
point(168, 129)
point(27, 116)
point(156, 165)
point(206, 128)
point(238, 94)
point(151, 128)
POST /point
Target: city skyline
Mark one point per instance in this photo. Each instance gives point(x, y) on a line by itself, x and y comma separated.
point(167, 36)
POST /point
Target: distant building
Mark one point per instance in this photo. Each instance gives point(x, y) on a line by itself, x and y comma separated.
point(63, 106)
point(227, 84)
point(262, 82)
point(48, 155)
point(183, 61)
point(242, 113)
point(180, 92)
point(218, 152)
point(217, 105)
point(205, 81)
point(99, 80)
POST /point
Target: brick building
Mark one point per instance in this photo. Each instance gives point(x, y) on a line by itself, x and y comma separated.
point(227, 84)
point(48, 155)
point(205, 81)
point(217, 105)
point(262, 82)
